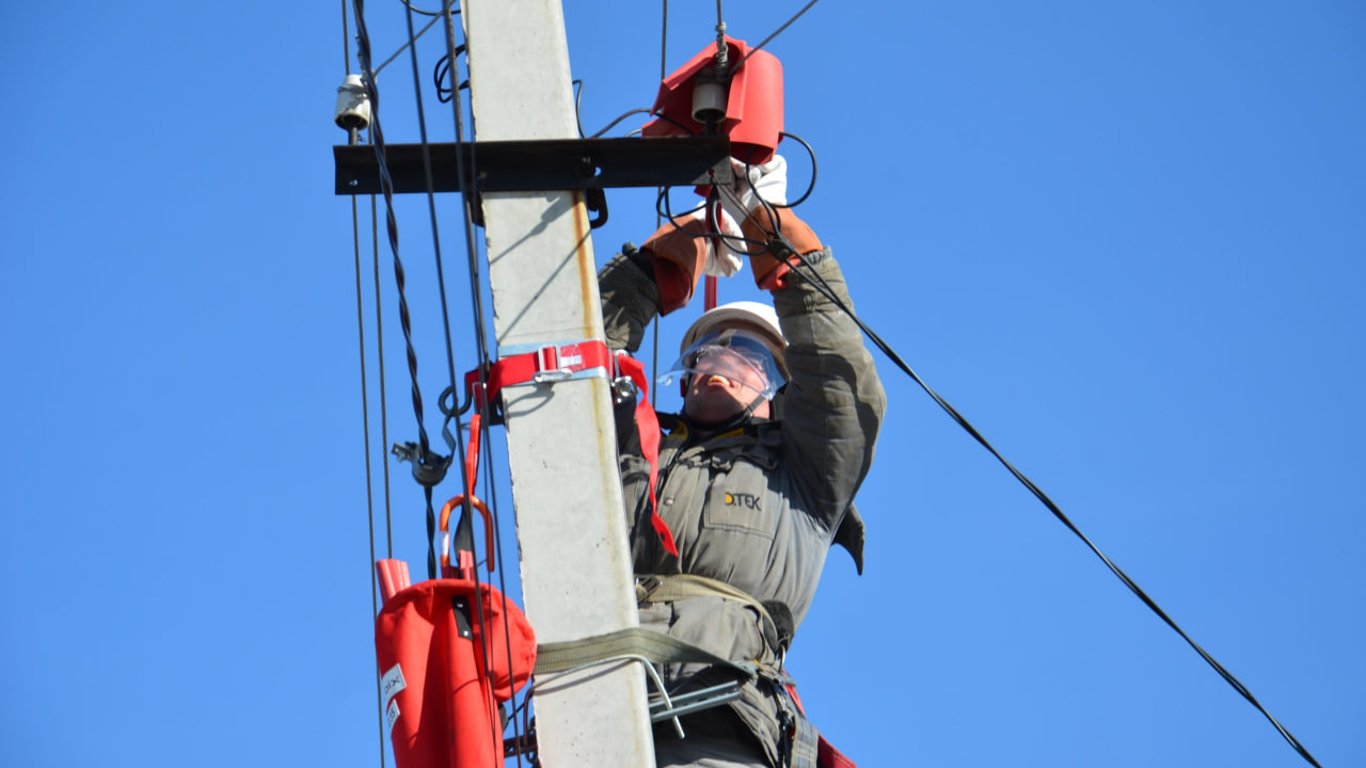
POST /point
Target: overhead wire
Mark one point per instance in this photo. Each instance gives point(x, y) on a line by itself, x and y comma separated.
point(445, 10)
point(365, 415)
point(443, 68)
point(776, 32)
point(467, 198)
point(428, 467)
point(383, 390)
point(809, 273)
point(458, 447)
point(804, 268)
point(406, 45)
point(654, 324)
point(429, 178)
point(423, 460)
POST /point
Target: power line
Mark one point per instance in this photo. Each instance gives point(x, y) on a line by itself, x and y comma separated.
point(816, 280)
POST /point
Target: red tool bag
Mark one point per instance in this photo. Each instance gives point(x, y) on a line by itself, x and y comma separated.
point(447, 652)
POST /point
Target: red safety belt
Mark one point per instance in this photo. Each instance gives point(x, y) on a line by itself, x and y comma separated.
point(433, 641)
point(556, 363)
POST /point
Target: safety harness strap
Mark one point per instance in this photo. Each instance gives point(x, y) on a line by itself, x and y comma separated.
point(647, 422)
point(634, 641)
point(550, 363)
point(562, 362)
point(681, 586)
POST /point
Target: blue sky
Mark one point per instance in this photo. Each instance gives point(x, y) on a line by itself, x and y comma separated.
point(1126, 241)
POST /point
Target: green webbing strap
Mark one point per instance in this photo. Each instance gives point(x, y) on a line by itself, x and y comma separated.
point(634, 641)
point(681, 586)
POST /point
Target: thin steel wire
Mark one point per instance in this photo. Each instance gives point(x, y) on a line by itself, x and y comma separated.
point(364, 401)
point(369, 494)
point(346, 41)
point(406, 46)
point(431, 199)
point(365, 418)
point(659, 217)
point(383, 393)
point(776, 32)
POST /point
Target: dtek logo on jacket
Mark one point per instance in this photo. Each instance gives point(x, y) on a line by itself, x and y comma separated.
point(746, 500)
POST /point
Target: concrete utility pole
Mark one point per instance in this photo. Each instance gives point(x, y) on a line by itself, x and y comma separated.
point(576, 567)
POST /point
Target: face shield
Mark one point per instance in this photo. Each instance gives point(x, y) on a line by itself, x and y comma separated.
point(733, 354)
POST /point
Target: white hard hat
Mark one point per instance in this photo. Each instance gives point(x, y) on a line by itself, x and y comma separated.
point(758, 319)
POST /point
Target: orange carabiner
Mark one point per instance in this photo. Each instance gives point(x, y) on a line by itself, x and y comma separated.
point(483, 510)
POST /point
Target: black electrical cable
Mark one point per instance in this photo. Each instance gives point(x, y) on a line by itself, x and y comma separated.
point(445, 11)
point(811, 187)
point(457, 447)
point(442, 70)
point(623, 116)
point(467, 201)
point(807, 271)
point(577, 85)
point(428, 468)
point(429, 177)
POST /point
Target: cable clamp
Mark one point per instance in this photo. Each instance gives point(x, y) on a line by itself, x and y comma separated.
point(429, 469)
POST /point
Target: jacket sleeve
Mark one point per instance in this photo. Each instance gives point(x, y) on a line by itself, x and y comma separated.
point(630, 299)
point(833, 404)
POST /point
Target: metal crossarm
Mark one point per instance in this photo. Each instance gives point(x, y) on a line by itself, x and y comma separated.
point(524, 166)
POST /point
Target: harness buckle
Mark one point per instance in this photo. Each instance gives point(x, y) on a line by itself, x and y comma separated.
point(551, 366)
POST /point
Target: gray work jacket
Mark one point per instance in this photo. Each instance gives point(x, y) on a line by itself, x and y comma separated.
point(757, 507)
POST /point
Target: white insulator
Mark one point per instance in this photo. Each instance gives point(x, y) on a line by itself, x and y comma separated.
point(353, 104)
point(709, 101)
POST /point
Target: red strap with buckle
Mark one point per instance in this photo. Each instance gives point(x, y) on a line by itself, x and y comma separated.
point(553, 362)
point(559, 362)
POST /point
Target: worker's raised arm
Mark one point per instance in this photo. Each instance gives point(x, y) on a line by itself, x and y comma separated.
point(833, 404)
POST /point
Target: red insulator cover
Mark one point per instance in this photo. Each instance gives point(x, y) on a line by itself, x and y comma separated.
point(437, 692)
point(754, 107)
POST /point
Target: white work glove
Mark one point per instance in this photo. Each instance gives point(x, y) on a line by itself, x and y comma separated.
point(723, 261)
point(753, 184)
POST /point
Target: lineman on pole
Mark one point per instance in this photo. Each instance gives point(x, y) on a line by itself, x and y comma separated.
point(757, 475)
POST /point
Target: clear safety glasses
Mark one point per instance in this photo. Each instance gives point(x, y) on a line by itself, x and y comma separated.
point(732, 354)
